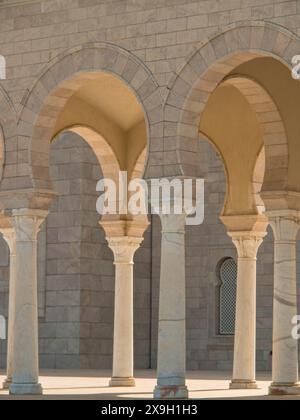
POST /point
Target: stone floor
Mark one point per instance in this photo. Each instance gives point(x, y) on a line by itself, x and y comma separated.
point(92, 385)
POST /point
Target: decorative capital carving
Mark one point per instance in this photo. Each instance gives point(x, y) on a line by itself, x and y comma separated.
point(10, 238)
point(247, 243)
point(27, 224)
point(285, 225)
point(124, 248)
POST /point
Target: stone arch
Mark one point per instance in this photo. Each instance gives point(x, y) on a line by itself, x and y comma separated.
point(204, 71)
point(139, 167)
point(62, 78)
point(104, 153)
point(276, 153)
point(258, 180)
point(107, 159)
point(216, 148)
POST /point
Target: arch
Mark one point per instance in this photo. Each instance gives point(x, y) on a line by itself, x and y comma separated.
point(58, 82)
point(217, 149)
point(139, 166)
point(273, 130)
point(258, 180)
point(204, 71)
point(106, 157)
point(104, 153)
point(2, 327)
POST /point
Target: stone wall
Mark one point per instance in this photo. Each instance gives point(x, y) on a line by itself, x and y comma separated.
point(162, 33)
point(76, 284)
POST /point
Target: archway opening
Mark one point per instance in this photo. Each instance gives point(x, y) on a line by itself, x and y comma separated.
point(78, 289)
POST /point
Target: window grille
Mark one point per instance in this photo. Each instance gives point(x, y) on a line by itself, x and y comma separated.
point(228, 278)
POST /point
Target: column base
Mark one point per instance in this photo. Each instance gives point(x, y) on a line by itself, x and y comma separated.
point(235, 384)
point(171, 392)
point(25, 389)
point(284, 389)
point(7, 383)
point(122, 382)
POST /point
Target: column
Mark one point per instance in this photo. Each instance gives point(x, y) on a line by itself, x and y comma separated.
point(171, 361)
point(124, 249)
point(25, 363)
point(285, 226)
point(9, 236)
point(244, 363)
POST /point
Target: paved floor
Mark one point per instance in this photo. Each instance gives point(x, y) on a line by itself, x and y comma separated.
point(92, 385)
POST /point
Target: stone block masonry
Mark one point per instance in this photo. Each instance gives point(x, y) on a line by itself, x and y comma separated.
point(76, 277)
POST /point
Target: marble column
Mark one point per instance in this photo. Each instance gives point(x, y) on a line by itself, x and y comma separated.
point(244, 364)
point(285, 226)
point(26, 224)
point(124, 249)
point(9, 237)
point(171, 358)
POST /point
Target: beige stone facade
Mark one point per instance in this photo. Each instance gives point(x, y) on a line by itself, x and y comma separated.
point(160, 89)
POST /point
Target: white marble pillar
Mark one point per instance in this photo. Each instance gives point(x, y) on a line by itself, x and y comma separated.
point(285, 226)
point(171, 358)
point(9, 236)
point(244, 364)
point(124, 249)
point(25, 363)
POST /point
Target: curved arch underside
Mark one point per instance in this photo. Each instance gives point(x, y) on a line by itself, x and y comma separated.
point(272, 129)
point(65, 76)
point(104, 153)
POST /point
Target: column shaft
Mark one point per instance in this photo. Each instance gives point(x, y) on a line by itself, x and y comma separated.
point(285, 347)
point(244, 364)
point(123, 326)
point(9, 236)
point(124, 249)
point(25, 338)
point(171, 382)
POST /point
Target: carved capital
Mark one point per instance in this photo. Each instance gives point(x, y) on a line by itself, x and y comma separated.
point(27, 223)
point(247, 243)
point(285, 225)
point(10, 238)
point(124, 248)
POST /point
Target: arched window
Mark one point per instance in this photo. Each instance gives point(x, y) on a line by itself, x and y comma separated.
point(227, 296)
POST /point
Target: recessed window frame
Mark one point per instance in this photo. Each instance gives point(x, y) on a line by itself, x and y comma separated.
point(222, 331)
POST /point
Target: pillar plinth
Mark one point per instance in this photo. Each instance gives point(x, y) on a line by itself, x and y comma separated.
point(285, 379)
point(171, 369)
point(124, 249)
point(244, 364)
point(25, 370)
